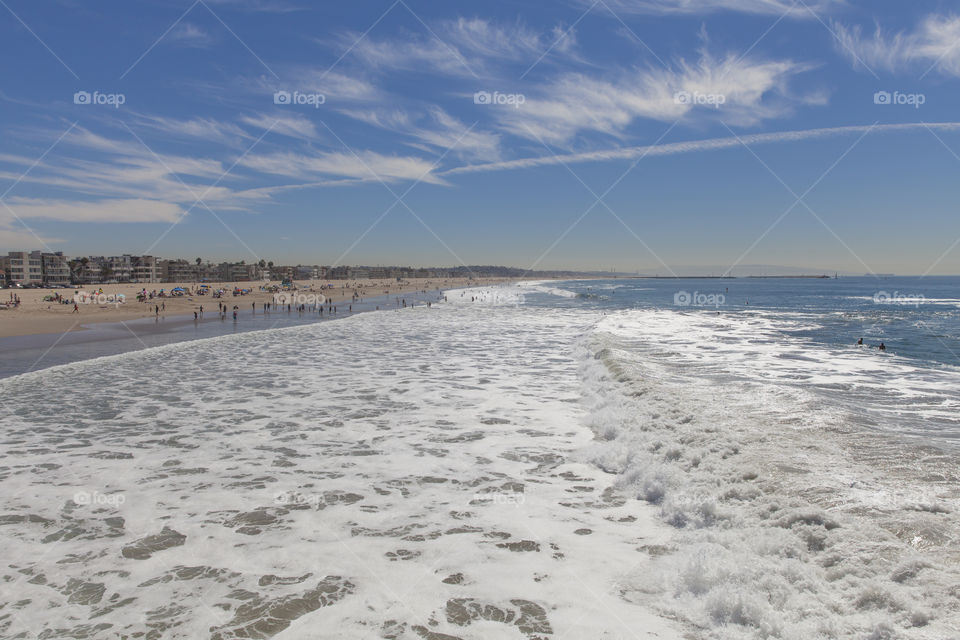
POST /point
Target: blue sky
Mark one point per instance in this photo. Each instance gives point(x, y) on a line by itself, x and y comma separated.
point(588, 134)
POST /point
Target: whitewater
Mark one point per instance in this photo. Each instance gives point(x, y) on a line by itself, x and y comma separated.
point(484, 468)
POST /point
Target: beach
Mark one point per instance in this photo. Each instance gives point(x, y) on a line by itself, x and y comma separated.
point(37, 316)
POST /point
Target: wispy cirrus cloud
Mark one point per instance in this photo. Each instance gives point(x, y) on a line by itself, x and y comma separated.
point(790, 8)
point(362, 165)
point(292, 126)
point(751, 91)
point(435, 131)
point(207, 129)
point(934, 43)
point(336, 87)
point(190, 35)
point(465, 46)
point(111, 210)
point(93, 168)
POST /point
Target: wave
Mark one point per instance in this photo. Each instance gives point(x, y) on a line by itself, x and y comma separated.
point(791, 521)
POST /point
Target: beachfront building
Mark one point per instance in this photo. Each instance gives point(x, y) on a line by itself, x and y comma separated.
point(178, 270)
point(25, 267)
point(55, 269)
point(283, 273)
point(144, 269)
point(239, 272)
point(117, 269)
point(306, 272)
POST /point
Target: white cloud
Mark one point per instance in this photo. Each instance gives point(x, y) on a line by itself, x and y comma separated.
point(486, 39)
point(437, 131)
point(791, 8)
point(190, 35)
point(133, 210)
point(935, 43)
point(199, 128)
point(464, 47)
point(419, 54)
point(292, 126)
point(751, 91)
point(94, 166)
point(364, 165)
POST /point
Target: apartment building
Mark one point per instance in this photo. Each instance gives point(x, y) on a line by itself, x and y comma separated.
point(55, 269)
point(144, 269)
point(25, 267)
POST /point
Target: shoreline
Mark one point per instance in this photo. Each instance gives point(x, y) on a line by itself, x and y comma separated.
point(37, 317)
point(109, 334)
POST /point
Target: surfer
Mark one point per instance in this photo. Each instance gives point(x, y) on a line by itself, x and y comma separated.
point(882, 347)
point(860, 342)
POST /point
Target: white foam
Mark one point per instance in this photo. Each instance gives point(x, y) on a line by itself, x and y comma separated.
point(373, 457)
point(792, 521)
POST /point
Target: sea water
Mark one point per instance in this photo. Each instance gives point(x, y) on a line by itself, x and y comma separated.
point(590, 459)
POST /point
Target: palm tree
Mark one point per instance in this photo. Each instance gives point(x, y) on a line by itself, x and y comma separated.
point(198, 261)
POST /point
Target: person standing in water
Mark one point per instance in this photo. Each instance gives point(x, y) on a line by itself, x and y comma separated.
point(882, 347)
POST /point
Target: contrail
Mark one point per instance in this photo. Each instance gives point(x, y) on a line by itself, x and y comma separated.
point(710, 144)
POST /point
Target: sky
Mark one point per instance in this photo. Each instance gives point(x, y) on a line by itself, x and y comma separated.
point(635, 135)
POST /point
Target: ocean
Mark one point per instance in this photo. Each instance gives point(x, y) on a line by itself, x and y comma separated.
point(711, 458)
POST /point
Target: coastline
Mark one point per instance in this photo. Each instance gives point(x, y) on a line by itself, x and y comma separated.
point(131, 328)
point(35, 316)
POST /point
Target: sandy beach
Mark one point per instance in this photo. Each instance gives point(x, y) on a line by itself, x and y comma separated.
point(35, 315)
